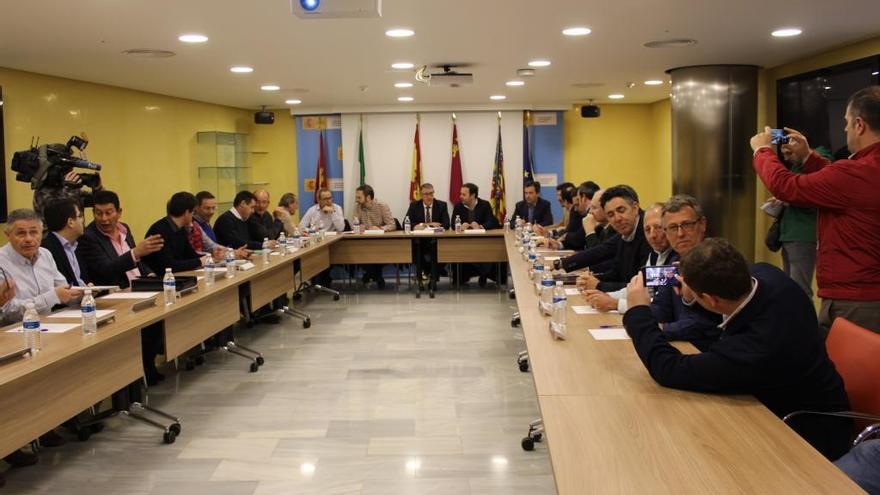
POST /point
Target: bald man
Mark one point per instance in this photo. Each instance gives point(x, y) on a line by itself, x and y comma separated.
point(261, 224)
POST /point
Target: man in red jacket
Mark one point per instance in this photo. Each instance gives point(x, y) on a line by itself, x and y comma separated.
point(846, 194)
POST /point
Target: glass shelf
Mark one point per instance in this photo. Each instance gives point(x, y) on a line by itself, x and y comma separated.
point(223, 164)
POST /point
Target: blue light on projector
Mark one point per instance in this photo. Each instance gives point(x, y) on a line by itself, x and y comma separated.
point(310, 5)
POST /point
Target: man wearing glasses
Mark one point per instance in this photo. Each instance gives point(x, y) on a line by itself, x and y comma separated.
point(683, 319)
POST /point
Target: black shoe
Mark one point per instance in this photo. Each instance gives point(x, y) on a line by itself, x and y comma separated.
point(20, 458)
point(381, 283)
point(52, 439)
point(482, 281)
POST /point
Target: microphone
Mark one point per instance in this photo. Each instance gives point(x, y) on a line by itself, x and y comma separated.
point(80, 163)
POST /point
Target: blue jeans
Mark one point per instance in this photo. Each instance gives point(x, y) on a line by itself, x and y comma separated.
point(862, 465)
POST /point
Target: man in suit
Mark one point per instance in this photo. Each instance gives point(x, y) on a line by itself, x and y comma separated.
point(427, 212)
point(533, 208)
point(111, 257)
point(474, 213)
point(573, 235)
point(65, 223)
point(232, 228)
point(176, 253)
point(261, 223)
point(770, 345)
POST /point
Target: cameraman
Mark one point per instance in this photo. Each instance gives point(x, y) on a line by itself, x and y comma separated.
point(71, 188)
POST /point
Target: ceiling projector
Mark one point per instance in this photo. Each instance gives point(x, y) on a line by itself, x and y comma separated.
point(336, 9)
point(449, 77)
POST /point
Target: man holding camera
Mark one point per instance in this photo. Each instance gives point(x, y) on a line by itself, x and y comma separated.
point(845, 196)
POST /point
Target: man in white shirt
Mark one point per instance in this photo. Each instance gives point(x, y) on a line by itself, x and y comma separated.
point(324, 216)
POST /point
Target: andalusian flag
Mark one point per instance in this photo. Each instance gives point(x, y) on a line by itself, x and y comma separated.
point(496, 198)
point(415, 180)
point(455, 179)
point(321, 172)
point(361, 162)
point(528, 157)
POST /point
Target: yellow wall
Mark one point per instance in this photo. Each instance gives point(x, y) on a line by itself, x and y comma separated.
point(145, 141)
point(628, 144)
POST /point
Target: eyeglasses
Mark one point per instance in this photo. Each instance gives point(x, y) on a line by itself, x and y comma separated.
point(687, 226)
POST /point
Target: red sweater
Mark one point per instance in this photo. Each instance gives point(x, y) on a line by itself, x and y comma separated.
point(846, 194)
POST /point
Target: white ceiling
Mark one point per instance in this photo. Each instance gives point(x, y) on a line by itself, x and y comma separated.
point(333, 59)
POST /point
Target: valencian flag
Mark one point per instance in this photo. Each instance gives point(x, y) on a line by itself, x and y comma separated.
point(455, 180)
point(321, 172)
point(361, 162)
point(496, 197)
point(415, 180)
point(528, 157)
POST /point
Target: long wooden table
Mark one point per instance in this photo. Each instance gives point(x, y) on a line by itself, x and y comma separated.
point(611, 429)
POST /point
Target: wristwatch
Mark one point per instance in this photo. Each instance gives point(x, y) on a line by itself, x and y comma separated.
point(557, 264)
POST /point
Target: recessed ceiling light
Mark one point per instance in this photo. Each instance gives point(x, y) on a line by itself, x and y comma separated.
point(402, 65)
point(399, 33)
point(193, 38)
point(515, 83)
point(539, 63)
point(403, 85)
point(616, 96)
point(405, 98)
point(577, 31)
point(270, 87)
point(241, 69)
point(786, 32)
point(875, 73)
point(653, 82)
point(293, 102)
point(497, 97)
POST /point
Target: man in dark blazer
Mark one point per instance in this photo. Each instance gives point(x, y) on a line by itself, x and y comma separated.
point(533, 208)
point(64, 220)
point(232, 227)
point(427, 213)
point(176, 253)
point(770, 345)
point(475, 213)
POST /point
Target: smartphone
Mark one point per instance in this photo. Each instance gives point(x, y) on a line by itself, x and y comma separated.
point(777, 136)
point(660, 275)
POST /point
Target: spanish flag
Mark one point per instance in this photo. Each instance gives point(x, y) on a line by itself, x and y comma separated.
point(321, 168)
point(496, 196)
point(415, 180)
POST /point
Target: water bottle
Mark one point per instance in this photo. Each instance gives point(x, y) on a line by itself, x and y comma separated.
point(547, 286)
point(230, 263)
point(282, 243)
point(209, 273)
point(266, 250)
point(169, 287)
point(356, 225)
point(297, 240)
point(538, 275)
point(30, 327)
point(407, 227)
point(518, 233)
point(89, 313)
point(457, 224)
point(560, 309)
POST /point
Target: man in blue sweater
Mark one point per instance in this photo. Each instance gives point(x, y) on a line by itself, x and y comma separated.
point(769, 344)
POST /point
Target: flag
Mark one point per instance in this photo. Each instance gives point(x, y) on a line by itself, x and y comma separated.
point(361, 162)
point(321, 172)
point(496, 198)
point(455, 180)
point(528, 158)
point(415, 180)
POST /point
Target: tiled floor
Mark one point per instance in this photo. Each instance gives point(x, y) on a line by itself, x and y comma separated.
point(384, 394)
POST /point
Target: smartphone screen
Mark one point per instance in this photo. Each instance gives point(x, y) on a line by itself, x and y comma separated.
point(658, 276)
point(777, 136)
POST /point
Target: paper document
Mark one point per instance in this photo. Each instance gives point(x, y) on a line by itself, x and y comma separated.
point(75, 313)
point(475, 231)
point(95, 288)
point(50, 327)
point(616, 333)
point(374, 232)
point(130, 295)
point(551, 258)
point(217, 269)
point(572, 292)
point(423, 232)
point(330, 233)
point(589, 310)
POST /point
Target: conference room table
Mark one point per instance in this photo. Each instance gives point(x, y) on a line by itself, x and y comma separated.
point(610, 428)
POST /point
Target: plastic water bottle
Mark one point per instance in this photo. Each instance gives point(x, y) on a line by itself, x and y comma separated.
point(230, 263)
point(209, 273)
point(547, 286)
point(457, 224)
point(169, 287)
point(30, 327)
point(356, 225)
point(89, 313)
point(407, 227)
point(560, 308)
point(282, 243)
point(538, 275)
point(519, 232)
point(297, 240)
point(266, 250)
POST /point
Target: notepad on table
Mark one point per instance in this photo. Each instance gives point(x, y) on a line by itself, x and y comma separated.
point(130, 295)
point(612, 333)
point(50, 327)
point(475, 231)
point(374, 232)
point(75, 313)
point(589, 310)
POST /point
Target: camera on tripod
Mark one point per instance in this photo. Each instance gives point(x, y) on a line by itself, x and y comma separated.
point(47, 165)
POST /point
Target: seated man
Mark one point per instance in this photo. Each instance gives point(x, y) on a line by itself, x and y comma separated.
point(325, 215)
point(262, 223)
point(572, 236)
point(533, 209)
point(630, 248)
point(862, 465)
point(565, 194)
point(474, 213)
point(599, 240)
point(65, 223)
point(111, 257)
point(373, 215)
point(771, 346)
point(176, 251)
point(232, 228)
point(202, 237)
point(661, 254)
point(427, 212)
point(288, 206)
point(206, 206)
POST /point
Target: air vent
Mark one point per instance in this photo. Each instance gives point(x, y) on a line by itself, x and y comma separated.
point(586, 85)
point(671, 43)
point(149, 53)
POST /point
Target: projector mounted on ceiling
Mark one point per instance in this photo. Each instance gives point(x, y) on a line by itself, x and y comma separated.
point(336, 9)
point(449, 77)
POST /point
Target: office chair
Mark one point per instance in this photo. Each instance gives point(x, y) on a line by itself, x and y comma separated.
point(854, 351)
